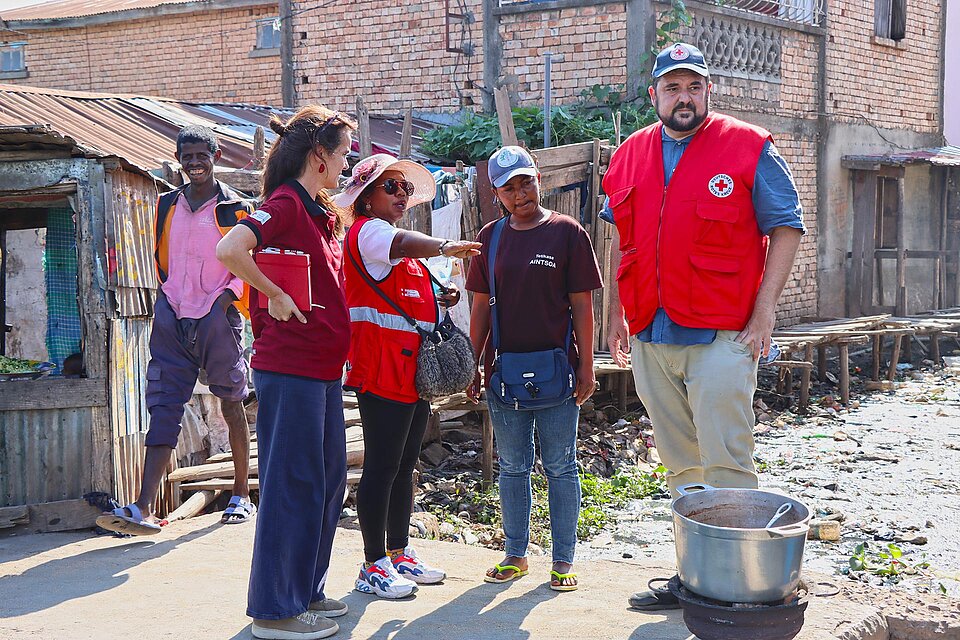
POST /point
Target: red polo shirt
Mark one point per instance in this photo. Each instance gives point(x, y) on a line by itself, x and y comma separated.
point(291, 219)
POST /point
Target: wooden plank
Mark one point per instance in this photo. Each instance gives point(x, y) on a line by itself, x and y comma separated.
point(46, 517)
point(406, 135)
point(225, 469)
point(508, 133)
point(894, 357)
point(12, 516)
point(194, 504)
point(353, 477)
point(564, 156)
point(363, 120)
point(52, 393)
point(860, 286)
point(566, 176)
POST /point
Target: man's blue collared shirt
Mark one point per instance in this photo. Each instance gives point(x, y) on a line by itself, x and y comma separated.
point(775, 201)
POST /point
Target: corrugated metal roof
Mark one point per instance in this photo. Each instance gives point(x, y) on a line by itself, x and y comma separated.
point(79, 8)
point(143, 130)
point(948, 156)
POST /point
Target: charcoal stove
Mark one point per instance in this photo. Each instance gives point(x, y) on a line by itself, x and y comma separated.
point(713, 620)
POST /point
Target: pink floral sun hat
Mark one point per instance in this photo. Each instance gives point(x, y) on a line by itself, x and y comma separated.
point(369, 169)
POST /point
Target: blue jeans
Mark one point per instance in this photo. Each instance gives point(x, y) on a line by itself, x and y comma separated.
point(557, 429)
point(303, 472)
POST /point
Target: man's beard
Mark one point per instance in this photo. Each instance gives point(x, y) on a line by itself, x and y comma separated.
point(673, 122)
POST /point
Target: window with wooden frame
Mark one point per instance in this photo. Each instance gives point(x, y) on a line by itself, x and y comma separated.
point(890, 19)
point(268, 33)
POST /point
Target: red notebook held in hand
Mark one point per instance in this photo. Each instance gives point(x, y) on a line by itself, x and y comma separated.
point(289, 270)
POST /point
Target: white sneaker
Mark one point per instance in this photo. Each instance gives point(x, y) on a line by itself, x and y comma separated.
point(382, 579)
point(409, 565)
point(309, 625)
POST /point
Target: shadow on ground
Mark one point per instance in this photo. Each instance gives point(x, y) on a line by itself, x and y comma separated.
point(42, 587)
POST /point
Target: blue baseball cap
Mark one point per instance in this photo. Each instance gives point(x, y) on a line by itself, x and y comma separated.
point(508, 162)
point(680, 55)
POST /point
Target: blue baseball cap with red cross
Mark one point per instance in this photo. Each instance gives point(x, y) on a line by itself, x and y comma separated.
point(680, 55)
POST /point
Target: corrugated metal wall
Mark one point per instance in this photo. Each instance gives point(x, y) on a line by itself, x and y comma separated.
point(130, 202)
point(45, 455)
point(129, 356)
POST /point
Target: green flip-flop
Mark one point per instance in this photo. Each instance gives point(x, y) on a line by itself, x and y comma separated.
point(517, 573)
point(560, 577)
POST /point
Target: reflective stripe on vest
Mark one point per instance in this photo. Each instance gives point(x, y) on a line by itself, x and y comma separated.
point(386, 320)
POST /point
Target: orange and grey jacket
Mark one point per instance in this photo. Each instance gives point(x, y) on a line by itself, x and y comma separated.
point(229, 210)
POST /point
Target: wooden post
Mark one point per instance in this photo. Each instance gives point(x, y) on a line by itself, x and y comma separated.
point(433, 433)
point(894, 356)
point(844, 349)
point(259, 144)
point(901, 252)
point(508, 132)
point(935, 348)
point(805, 379)
point(406, 136)
point(822, 363)
point(788, 381)
point(623, 381)
point(288, 89)
point(486, 460)
point(363, 119)
point(877, 355)
point(616, 127)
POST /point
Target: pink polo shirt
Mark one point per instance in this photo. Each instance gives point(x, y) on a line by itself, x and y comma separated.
point(195, 278)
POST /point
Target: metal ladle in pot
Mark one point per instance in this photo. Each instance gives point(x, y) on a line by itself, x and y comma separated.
point(784, 508)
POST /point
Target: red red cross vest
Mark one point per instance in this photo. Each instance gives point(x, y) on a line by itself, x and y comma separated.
point(693, 248)
point(383, 345)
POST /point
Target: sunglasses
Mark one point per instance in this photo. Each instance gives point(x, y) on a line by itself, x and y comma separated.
point(390, 185)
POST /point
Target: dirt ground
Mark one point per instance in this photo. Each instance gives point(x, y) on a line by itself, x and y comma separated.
point(887, 468)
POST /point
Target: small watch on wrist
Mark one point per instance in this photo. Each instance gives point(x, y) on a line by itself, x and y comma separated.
point(442, 245)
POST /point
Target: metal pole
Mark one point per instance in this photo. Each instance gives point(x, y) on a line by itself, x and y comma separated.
point(548, 59)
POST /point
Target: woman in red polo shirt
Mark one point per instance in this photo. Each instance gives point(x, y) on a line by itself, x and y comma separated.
point(382, 271)
point(298, 358)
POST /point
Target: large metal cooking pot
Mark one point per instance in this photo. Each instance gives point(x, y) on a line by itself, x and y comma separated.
point(724, 551)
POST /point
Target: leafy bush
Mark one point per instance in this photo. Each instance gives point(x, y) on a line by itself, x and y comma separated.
point(477, 136)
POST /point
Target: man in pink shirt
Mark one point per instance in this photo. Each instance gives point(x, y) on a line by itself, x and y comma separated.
point(197, 325)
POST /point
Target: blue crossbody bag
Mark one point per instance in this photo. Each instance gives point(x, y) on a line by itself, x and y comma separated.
point(533, 380)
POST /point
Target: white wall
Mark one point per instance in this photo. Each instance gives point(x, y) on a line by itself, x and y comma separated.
point(951, 89)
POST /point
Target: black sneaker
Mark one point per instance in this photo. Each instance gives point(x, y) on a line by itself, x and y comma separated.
point(656, 599)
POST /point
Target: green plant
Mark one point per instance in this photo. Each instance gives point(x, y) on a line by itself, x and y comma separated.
point(887, 562)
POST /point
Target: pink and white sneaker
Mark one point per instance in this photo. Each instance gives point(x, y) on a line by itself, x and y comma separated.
point(408, 565)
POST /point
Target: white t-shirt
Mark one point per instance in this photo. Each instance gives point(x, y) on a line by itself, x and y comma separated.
point(374, 241)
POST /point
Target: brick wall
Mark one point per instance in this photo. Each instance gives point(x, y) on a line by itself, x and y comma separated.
point(892, 85)
point(395, 57)
point(198, 56)
point(591, 39)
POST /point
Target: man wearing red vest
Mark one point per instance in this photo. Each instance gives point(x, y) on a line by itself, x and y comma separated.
point(709, 222)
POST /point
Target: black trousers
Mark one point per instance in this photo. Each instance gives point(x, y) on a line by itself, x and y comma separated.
point(392, 434)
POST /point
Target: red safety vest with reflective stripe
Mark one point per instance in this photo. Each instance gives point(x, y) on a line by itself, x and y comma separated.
point(693, 248)
point(383, 345)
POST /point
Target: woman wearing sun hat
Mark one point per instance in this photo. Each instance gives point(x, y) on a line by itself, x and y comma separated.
point(381, 264)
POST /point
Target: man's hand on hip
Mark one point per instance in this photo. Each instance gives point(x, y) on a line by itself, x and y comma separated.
point(759, 331)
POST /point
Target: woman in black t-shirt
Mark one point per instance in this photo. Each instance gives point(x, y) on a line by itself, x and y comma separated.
point(545, 272)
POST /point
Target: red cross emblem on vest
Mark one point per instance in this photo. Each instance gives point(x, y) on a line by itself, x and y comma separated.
point(721, 185)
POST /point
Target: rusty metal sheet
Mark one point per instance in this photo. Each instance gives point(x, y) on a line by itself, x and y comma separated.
point(79, 8)
point(45, 455)
point(131, 210)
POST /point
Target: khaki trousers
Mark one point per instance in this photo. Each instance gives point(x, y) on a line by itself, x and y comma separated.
point(700, 400)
